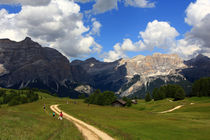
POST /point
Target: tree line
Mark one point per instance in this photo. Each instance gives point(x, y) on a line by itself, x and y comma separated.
point(166, 91)
point(13, 97)
point(200, 88)
point(101, 98)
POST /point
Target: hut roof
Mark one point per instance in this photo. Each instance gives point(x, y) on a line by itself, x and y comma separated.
point(120, 101)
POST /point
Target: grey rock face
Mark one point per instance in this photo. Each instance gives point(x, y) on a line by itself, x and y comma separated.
point(197, 67)
point(99, 75)
point(163, 67)
point(26, 63)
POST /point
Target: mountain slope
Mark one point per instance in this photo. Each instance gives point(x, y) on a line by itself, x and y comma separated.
point(197, 67)
point(99, 75)
point(27, 64)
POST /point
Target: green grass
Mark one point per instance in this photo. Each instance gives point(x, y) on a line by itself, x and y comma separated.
point(139, 122)
point(142, 122)
point(30, 121)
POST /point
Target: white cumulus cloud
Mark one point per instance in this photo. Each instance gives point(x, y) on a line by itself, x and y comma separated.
point(197, 11)
point(58, 24)
point(185, 49)
point(162, 35)
point(96, 25)
point(197, 40)
point(157, 34)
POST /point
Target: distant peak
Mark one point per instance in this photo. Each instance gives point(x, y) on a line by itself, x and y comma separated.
point(92, 59)
point(200, 56)
point(27, 39)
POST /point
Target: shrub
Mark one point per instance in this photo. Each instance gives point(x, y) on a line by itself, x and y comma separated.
point(13, 102)
point(2, 92)
point(128, 101)
point(180, 94)
point(15, 98)
point(99, 98)
point(148, 97)
point(201, 87)
point(168, 91)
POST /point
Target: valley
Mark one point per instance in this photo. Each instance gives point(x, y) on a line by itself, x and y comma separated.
point(104, 70)
point(28, 64)
point(140, 121)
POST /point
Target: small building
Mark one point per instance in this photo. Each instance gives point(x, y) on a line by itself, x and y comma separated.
point(119, 103)
point(134, 101)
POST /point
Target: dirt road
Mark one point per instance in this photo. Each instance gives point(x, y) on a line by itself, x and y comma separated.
point(88, 131)
point(175, 108)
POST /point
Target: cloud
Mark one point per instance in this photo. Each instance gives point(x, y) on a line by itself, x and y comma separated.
point(26, 2)
point(157, 34)
point(197, 40)
point(185, 49)
point(58, 24)
point(201, 32)
point(140, 3)
point(114, 55)
point(95, 27)
point(195, 12)
point(83, 1)
point(102, 6)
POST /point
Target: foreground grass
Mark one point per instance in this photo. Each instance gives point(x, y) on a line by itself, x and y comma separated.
point(142, 122)
point(30, 121)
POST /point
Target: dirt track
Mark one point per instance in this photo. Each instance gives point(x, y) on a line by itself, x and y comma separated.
point(175, 108)
point(89, 132)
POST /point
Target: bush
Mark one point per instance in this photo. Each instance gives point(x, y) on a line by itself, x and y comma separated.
point(82, 96)
point(128, 101)
point(15, 98)
point(179, 95)
point(201, 87)
point(14, 101)
point(158, 94)
point(148, 97)
point(168, 91)
point(99, 98)
point(2, 92)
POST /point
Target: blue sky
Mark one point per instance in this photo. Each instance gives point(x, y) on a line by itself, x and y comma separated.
point(123, 22)
point(129, 21)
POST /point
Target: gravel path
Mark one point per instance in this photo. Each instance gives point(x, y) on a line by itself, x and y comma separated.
point(170, 110)
point(88, 131)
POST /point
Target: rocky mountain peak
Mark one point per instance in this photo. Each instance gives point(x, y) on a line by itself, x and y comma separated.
point(27, 39)
point(91, 60)
point(26, 63)
point(201, 56)
point(157, 64)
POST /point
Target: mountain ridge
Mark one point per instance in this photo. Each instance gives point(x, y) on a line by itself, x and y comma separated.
point(28, 64)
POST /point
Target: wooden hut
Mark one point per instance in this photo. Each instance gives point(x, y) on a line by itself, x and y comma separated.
point(119, 103)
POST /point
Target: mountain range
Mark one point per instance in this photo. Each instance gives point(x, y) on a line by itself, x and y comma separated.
point(28, 64)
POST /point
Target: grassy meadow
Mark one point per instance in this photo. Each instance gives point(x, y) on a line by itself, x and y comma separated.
point(138, 122)
point(31, 122)
point(143, 122)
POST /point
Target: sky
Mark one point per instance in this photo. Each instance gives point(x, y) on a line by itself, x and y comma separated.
point(110, 29)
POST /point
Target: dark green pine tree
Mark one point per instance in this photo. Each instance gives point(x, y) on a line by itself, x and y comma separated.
point(180, 94)
point(148, 97)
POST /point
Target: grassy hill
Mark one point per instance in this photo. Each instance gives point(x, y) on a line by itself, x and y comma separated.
point(31, 121)
point(142, 122)
point(139, 122)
